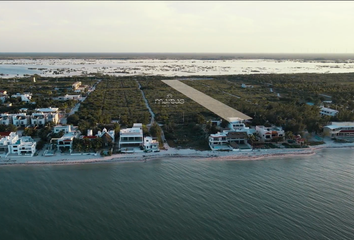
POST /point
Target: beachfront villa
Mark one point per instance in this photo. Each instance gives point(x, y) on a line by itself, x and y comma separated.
point(234, 138)
point(66, 141)
point(328, 112)
point(339, 129)
point(107, 136)
point(151, 144)
point(131, 139)
point(11, 143)
point(269, 133)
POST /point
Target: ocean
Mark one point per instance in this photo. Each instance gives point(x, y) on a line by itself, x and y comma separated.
point(282, 198)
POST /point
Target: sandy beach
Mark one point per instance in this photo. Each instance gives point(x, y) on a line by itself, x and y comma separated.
point(171, 153)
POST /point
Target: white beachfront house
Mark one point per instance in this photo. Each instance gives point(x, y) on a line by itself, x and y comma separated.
point(5, 119)
point(328, 112)
point(219, 141)
point(229, 140)
point(151, 144)
point(234, 138)
point(66, 141)
point(339, 129)
point(131, 139)
point(11, 143)
point(269, 133)
point(20, 120)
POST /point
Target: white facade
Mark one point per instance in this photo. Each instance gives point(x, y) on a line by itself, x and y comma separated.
point(268, 133)
point(5, 119)
point(239, 126)
point(59, 128)
point(130, 139)
point(68, 97)
point(228, 139)
point(151, 145)
point(219, 141)
point(66, 141)
point(26, 97)
point(328, 111)
point(47, 110)
point(38, 119)
point(24, 146)
point(339, 129)
point(19, 119)
point(45, 114)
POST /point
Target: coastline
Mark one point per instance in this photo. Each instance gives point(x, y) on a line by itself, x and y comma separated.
point(261, 154)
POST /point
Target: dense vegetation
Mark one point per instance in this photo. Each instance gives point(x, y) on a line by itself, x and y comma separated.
point(43, 90)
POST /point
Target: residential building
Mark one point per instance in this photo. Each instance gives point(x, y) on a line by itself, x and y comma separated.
point(76, 85)
point(239, 126)
point(67, 97)
point(26, 97)
point(131, 139)
point(47, 110)
point(11, 143)
point(229, 140)
point(151, 144)
point(66, 141)
point(233, 138)
point(339, 129)
point(328, 111)
point(20, 120)
point(3, 96)
point(269, 133)
point(5, 119)
point(65, 128)
point(38, 119)
point(50, 114)
point(219, 141)
point(107, 136)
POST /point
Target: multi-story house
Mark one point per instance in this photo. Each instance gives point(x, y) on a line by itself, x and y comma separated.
point(339, 129)
point(20, 120)
point(5, 119)
point(151, 144)
point(131, 139)
point(328, 112)
point(11, 143)
point(269, 133)
point(38, 119)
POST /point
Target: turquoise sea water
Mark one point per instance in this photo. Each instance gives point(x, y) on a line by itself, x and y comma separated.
point(291, 198)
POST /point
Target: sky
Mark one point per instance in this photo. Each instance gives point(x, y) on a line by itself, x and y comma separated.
point(177, 26)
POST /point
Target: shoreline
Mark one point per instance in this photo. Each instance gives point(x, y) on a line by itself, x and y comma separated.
point(170, 154)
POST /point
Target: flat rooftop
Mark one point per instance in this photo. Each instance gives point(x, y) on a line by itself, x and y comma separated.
point(222, 110)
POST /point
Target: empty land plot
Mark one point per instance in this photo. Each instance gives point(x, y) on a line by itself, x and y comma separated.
point(208, 102)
